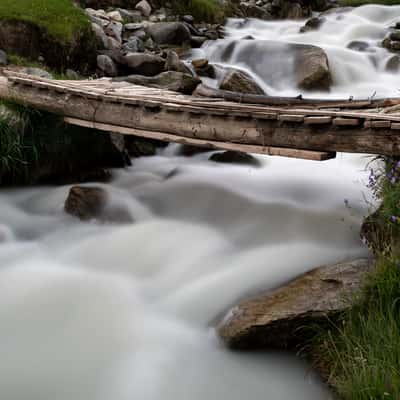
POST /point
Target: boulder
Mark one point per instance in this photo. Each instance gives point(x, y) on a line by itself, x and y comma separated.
point(170, 80)
point(312, 24)
point(280, 64)
point(114, 30)
point(41, 73)
point(144, 7)
point(102, 39)
point(86, 202)
point(133, 45)
point(202, 68)
point(144, 64)
point(276, 319)
point(312, 69)
point(172, 33)
point(235, 157)
point(173, 63)
point(238, 81)
point(115, 16)
point(107, 65)
point(393, 64)
point(3, 58)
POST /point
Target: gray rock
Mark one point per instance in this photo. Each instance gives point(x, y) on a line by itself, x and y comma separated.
point(130, 16)
point(312, 69)
point(276, 319)
point(3, 58)
point(113, 44)
point(235, 157)
point(134, 26)
point(395, 36)
point(114, 30)
point(170, 80)
point(144, 7)
point(239, 81)
point(358, 45)
point(188, 19)
point(100, 35)
point(393, 64)
point(41, 73)
point(133, 45)
point(144, 64)
point(107, 65)
point(312, 24)
point(115, 16)
point(71, 74)
point(197, 41)
point(173, 63)
point(173, 33)
point(141, 34)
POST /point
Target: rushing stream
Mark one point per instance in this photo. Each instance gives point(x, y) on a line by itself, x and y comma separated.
point(351, 39)
point(92, 311)
point(100, 311)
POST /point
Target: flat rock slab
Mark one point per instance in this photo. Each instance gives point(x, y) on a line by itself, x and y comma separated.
point(275, 320)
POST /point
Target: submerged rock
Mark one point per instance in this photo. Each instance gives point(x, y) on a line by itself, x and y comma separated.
point(239, 81)
point(276, 319)
point(86, 202)
point(170, 80)
point(235, 157)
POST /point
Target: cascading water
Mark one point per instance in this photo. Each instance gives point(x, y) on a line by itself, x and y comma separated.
point(92, 311)
point(351, 39)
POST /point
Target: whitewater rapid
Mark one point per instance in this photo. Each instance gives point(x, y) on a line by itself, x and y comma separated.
point(358, 71)
point(94, 311)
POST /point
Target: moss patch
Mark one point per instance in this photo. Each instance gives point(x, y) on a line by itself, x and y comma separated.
point(60, 18)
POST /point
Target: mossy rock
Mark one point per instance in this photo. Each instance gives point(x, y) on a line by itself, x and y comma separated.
point(56, 30)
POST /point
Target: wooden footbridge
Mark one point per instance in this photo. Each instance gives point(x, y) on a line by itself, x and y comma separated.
point(292, 127)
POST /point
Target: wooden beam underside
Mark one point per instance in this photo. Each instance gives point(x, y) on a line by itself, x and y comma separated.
point(213, 145)
point(216, 123)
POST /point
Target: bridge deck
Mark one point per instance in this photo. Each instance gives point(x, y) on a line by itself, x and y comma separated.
point(304, 130)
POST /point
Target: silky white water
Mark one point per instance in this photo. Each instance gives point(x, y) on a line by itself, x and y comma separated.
point(359, 71)
point(92, 311)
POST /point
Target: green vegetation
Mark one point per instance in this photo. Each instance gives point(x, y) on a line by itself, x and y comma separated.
point(60, 18)
point(201, 10)
point(357, 3)
point(360, 352)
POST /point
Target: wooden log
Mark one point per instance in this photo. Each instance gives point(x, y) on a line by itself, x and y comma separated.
point(339, 121)
point(266, 150)
point(241, 130)
point(291, 118)
point(317, 120)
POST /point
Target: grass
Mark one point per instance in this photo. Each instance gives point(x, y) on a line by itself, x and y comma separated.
point(201, 10)
point(360, 352)
point(357, 3)
point(60, 18)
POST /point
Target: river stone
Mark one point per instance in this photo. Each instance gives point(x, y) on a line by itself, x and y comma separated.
point(107, 65)
point(172, 33)
point(144, 7)
point(275, 319)
point(102, 38)
point(170, 80)
point(239, 81)
point(173, 63)
point(312, 24)
point(133, 45)
point(115, 16)
point(87, 203)
point(393, 64)
point(3, 58)
point(144, 64)
point(395, 36)
point(312, 69)
point(235, 157)
point(114, 30)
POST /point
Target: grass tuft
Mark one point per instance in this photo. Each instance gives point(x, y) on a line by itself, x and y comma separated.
point(201, 10)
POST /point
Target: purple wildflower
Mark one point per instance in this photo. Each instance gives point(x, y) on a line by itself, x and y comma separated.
point(393, 218)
